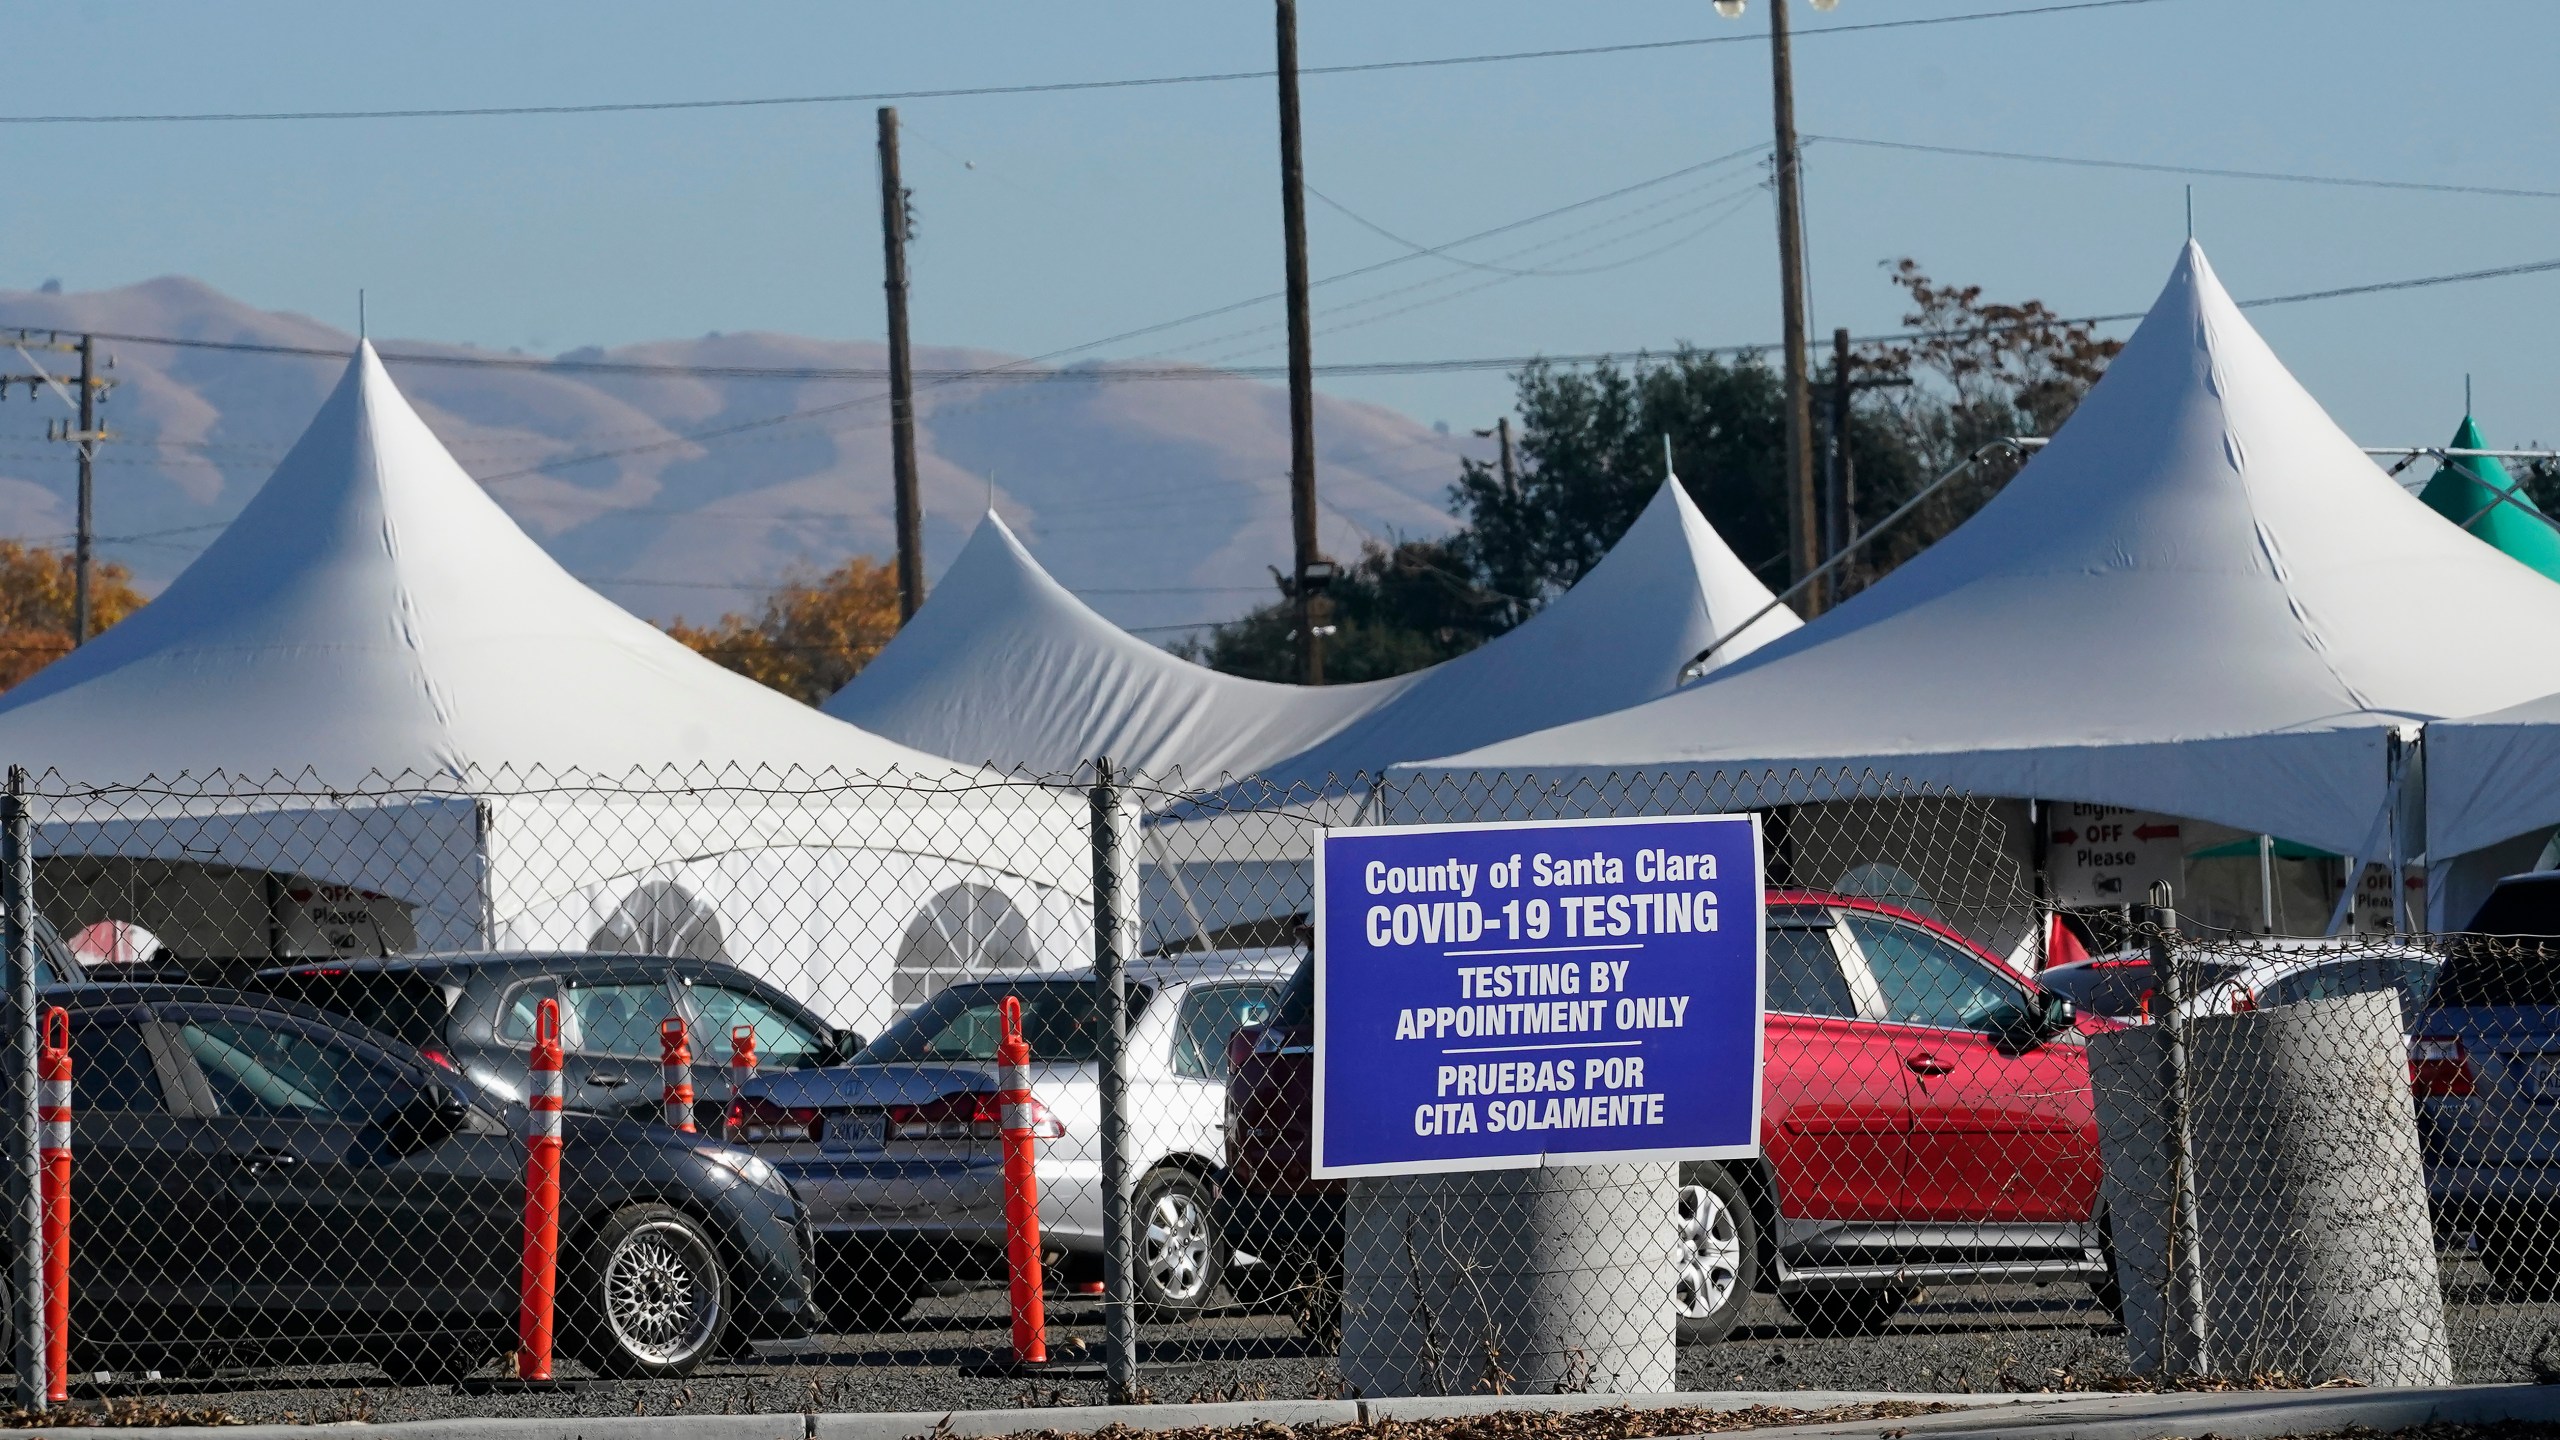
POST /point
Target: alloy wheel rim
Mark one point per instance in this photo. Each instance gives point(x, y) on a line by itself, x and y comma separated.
point(661, 1293)
point(1708, 1253)
point(1177, 1245)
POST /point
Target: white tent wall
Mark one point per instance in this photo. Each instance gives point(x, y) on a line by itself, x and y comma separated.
point(2493, 800)
point(826, 894)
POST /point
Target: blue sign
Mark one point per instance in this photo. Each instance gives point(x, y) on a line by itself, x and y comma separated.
point(1493, 997)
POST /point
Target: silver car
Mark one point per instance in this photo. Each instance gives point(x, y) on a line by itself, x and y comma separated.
point(897, 1159)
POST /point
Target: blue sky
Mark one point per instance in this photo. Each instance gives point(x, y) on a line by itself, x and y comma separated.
point(1049, 220)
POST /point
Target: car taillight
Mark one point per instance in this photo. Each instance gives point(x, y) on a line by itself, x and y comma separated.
point(438, 1057)
point(2438, 1065)
point(754, 1120)
point(976, 1115)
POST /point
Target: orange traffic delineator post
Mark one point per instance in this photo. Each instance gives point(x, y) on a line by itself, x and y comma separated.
point(742, 1062)
point(676, 1060)
point(539, 1286)
point(53, 1118)
point(1021, 1189)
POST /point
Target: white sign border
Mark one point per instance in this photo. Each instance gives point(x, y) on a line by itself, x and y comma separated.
point(1317, 1169)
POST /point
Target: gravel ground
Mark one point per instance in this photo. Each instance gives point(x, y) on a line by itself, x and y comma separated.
point(2014, 1338)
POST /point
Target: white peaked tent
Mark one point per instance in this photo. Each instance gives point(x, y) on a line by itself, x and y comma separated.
point(1004, 666)
point(2201, 598)
point(1667, 590)
point(372, 623)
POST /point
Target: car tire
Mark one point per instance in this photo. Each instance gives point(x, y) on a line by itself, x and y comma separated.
point(1176, 1244)
point(1715, 1248)
point(1830, 1312)
point(2521, 1251)
point(2105, 1285)
point(649, 1296)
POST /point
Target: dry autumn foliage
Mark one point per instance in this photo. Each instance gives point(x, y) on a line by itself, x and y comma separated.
point(35, 605)
point(812, 635)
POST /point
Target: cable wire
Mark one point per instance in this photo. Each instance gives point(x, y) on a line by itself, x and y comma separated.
point(627, 107)
point(2286, 177)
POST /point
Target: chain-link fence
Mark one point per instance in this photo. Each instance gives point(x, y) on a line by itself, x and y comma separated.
point(873, 1088)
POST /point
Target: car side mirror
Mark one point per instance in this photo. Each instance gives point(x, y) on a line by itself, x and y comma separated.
point(431, 1115)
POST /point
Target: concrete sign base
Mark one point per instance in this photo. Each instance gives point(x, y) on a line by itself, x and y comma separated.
point(1525, 1281)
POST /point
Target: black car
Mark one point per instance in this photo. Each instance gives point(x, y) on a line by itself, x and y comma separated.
point(475, 1013)
point(260, 1181)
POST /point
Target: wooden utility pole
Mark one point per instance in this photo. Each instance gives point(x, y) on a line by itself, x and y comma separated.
point(1838, 497)
point(87, 434)
point(1310, 571)
point(86, 536)
point(1510, 477)
point(895, 227)
point(1802, 558)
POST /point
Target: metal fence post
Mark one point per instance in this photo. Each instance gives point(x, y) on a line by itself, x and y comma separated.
point(2183, 1336)
point(1113, 898)
point(21, 1194)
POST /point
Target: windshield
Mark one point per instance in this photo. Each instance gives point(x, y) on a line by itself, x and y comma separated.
point(1062, 1020)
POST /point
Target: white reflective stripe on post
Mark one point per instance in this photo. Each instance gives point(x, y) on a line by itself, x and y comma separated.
point(543, 1107)
point(1011, 1078)
point(53, 1112)
point(1020, 1114)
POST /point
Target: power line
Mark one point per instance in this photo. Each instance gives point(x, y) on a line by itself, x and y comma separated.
point(2286, 177)
point(1045, 88)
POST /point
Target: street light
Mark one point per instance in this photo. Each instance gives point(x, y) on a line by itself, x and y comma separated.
point(1804, 557)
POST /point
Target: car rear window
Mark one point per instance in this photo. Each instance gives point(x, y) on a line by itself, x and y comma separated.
point(1062, 1020)
point(404, 1004)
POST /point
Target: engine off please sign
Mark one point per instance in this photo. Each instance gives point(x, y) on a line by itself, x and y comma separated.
point(1500, 996)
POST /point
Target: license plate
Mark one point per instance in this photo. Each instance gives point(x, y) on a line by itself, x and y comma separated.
point(854, 1132)
point(2543, 1073)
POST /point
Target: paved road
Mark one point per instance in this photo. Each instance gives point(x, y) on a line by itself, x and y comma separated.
point(1979, 1339)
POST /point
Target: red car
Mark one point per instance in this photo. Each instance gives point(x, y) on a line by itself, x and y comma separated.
point(1927, 1118)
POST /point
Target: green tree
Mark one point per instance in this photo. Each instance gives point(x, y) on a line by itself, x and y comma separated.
point(1591, 456)
point(1397, 608)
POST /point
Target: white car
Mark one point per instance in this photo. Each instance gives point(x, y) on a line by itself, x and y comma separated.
point(897, 1159)
point(2289, 976)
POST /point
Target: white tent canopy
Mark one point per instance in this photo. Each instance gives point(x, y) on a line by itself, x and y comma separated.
point(373, 624)
point(2201, 598)
point(373, 611)
point(1004, 665)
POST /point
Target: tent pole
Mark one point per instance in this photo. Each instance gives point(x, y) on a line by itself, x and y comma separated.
point(2267, 884)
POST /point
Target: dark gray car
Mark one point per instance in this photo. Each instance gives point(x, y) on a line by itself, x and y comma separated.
point(475, 1013)
point(257, 1180)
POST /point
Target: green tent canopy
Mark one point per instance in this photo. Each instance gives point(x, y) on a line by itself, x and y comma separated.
point(2466, 490)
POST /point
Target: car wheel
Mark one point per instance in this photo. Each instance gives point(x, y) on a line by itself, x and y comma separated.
point(651, 1295)
point(2521, 1251)
point(1830, 1311)
point(424, 1360)
point(1715, 1247)
point(1177, 1246)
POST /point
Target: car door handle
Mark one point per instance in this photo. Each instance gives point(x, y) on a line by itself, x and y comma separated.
point(606, 1077)
point(266, 1159)
point(1926, 1064)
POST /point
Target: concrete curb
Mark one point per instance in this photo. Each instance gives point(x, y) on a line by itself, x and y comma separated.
point(2250, 1415)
